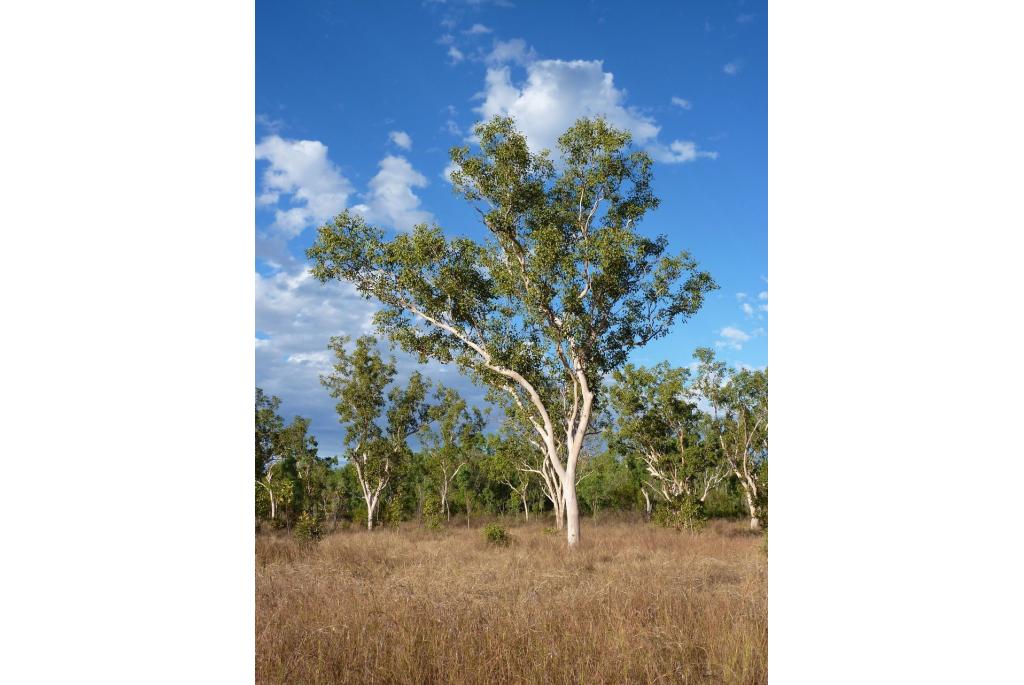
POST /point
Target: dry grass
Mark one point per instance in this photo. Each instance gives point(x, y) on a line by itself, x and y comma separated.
point(635, 604)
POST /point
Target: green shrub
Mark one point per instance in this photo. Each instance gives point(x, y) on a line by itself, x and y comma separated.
point(307, 528)
point(686, 514)
point(496, 535)
point(550, 531)
point(433, 517)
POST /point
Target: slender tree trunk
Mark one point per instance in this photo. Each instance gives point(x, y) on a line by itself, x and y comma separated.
point(526, 506)
point(371, 506)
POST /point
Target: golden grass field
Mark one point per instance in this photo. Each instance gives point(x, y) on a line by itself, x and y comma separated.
point(634, 604)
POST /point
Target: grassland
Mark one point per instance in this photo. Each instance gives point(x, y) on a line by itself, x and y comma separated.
point(634, 604)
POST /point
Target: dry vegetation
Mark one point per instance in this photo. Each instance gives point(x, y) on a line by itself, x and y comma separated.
point(634, 604)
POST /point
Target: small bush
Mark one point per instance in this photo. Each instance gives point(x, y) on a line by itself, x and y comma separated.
point(550, 531)
point(496, 535)
point(307, 528)
point(433, 517)
point(683, 515)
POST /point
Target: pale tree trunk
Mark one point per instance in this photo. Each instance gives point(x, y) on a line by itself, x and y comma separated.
point(370, 496)
point(647, 503)
point(755, 522)
point(526, 505)
point(572, 517)
point(273, 508)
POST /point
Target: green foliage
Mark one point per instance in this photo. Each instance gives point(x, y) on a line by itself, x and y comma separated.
point(683, 514)
point(307, 528)
point(496, 535)
point(394, 511)
point(557, 296)
point(433, 517)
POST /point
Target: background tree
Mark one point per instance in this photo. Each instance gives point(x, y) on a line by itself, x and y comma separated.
point(458, 431)
point(556, 298)
point(287, 466)
point(657, 421)
point(739, 402)
point(358, 382)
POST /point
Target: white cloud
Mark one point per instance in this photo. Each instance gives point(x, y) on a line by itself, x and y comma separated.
point(747, 309)
point(732, 338)
point(741, 296)
point(390, 199)
point(732, 68)
point(744, 18)
point(680, 102)
point(556, 93)
point(679, 151)
point(455, 54)
point(446, 174)
point(511, 51)
point(401, 139)
point(477, 29)
point(446, 39)
point(301, 170)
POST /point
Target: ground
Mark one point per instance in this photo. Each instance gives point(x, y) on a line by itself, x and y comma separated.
point(633, 604)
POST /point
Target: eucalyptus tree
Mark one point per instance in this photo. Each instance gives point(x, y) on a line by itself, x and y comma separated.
point(286, 457)
point(739, 403)
point(359, 382)
point(459, 431)
point(555, 297)
point(656, 419)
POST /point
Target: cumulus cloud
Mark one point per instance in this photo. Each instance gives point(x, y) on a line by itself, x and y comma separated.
point(557, 92)
point(732, 68)
point(476, 30)
point(390, 199)
point(680, 102)
point(455, 54)
point(732, 338)
point(301, 170)
point(511, 51)
point(401, 139)
point(747, 309)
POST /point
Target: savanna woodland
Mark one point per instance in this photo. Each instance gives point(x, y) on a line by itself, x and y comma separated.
point(595, 521)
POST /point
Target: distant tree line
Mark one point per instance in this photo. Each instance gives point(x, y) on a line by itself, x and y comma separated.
point(676, 445)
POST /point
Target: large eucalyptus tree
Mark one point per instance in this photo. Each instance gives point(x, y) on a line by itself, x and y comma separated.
point(553, 300)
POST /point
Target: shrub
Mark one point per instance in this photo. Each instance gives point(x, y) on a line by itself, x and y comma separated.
point(686, 514)
point(307, 528)
point(432, 514)
point(550, 531)
point(496, 535)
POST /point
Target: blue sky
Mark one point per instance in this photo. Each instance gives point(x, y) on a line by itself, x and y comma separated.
point(357, 104)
